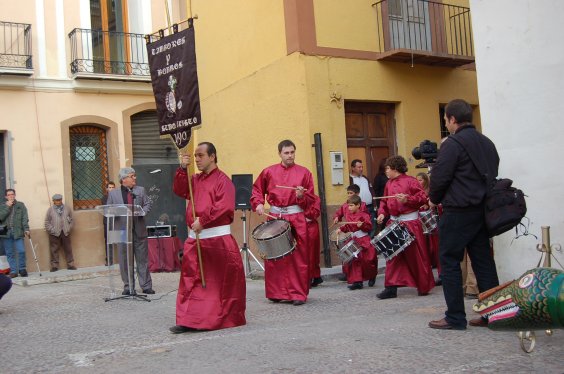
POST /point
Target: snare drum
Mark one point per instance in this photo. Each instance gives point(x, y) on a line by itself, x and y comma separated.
point(392, 240)
point(349, 251)
point(274, 239)
point(339, 239)
point(428, 221)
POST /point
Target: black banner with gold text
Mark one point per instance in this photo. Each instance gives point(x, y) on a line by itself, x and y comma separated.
point(172, 62)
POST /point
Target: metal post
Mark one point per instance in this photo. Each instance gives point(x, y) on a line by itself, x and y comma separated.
point(322, 197)
point(546, 245)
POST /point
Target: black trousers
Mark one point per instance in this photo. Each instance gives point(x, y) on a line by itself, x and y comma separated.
point(5, 285)
point(459, 230)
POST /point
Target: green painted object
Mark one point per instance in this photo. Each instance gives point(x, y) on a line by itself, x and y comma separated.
point(534, 301)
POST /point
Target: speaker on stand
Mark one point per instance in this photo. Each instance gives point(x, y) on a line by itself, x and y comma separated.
point(243, 187)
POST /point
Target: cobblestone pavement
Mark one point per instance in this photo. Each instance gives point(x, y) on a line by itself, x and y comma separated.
point(67, 327)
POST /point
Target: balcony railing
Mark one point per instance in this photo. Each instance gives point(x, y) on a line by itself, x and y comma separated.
point(421, 31)
point(97, 53)
point(15, 47)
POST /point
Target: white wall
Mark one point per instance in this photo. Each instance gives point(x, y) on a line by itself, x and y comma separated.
point(520, 69)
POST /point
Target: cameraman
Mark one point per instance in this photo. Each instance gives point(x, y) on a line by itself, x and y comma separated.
point(459, 186)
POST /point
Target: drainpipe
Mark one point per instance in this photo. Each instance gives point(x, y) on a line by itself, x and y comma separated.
point(322, 197)
point(10, 161)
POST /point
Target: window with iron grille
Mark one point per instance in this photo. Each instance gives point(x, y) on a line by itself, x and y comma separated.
point(89, 165)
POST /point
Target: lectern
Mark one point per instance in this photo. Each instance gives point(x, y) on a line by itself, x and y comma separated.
point(120, 233)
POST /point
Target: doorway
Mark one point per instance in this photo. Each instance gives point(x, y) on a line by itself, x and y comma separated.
point(370, 134)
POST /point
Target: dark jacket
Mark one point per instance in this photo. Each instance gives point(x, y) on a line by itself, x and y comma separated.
point(21, 220)
point(455, 181)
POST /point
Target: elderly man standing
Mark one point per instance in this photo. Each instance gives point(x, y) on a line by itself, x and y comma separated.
point(13, 214)
point(130, 193)
point(58, 224)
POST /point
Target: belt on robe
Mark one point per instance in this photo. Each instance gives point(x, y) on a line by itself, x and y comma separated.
point(406, 217)
point(212, 232)
point(290, 209)
point(359, 234)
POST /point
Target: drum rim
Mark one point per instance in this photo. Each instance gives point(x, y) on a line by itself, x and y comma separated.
point(272, 237)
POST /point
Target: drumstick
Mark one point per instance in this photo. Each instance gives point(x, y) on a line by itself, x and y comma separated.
point(347, 223)
point(383, 197)
point(270, 215)
point(292, 188)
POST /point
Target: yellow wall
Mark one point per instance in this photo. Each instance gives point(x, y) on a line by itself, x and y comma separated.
point(350, 24)
point(235, 40)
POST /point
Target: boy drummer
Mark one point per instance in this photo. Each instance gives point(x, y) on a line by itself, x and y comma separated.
point(410, 268)
point(364, 267)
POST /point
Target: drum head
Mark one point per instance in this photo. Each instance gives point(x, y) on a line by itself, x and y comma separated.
point(382, 234)
point(342, 236)
point(270, 229)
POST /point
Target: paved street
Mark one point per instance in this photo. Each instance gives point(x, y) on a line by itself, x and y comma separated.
point(67, 327)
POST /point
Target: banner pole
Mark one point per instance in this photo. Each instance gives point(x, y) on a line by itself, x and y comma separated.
point(200, 262)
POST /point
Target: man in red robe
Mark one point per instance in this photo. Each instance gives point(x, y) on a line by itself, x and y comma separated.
point(412, 267)
point(286, 278)
point(221, 303)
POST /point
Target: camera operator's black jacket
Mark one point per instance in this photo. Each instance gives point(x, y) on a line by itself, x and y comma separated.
point(455, 181)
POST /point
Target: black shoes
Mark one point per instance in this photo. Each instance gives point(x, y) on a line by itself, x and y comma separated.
point(439, 282)
point(372, 282)
point(181, 329)
point(275, 300)
point(23, 273)
point(316, 282)
point(71, 268)
point(342, 278)
point(13, 275)
point(54, 269)
point(355, 286)
point(388, 293)
point(298, 302)
point(149, 291)
point(125, 291)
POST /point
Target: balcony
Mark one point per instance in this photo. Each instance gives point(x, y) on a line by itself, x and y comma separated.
point(15, 48)
point(424, 32)
point(97, 54)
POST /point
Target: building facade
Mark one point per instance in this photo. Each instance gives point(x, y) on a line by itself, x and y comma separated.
point(76, 102)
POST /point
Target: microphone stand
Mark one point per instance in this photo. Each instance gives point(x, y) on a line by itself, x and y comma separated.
point(245, 248)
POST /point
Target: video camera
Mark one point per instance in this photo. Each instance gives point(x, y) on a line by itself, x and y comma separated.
point(426, 151)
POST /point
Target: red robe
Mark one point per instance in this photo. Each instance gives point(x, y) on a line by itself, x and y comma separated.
point(344, 209)
point(365, 266)
point(312, 213)
point(222, 303)
point(411, 267)
point(286, 278)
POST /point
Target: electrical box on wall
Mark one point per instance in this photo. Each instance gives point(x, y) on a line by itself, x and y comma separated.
point(337, 165)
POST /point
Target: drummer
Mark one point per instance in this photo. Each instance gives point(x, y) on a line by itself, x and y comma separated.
point(353, 189)
point(289, 191)
point(410, 268)
point(433, 236)
point(365, 266)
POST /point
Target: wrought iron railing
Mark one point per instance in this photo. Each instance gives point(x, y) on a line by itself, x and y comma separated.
point(108, 52)
point(422, 25)
point(15, 45)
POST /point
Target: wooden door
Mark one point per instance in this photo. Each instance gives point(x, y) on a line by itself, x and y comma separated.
point(370, 134)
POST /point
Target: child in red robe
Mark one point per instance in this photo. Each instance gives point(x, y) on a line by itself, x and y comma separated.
point(364, 267)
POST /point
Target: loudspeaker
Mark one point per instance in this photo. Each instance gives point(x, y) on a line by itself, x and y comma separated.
point(243, 188)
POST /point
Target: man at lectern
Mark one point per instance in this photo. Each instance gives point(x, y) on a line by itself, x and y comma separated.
point(130, 193)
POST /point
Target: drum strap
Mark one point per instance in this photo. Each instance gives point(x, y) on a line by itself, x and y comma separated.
point(212, 232)
point(290, 209)
point(359, 234)
point(406, 217)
